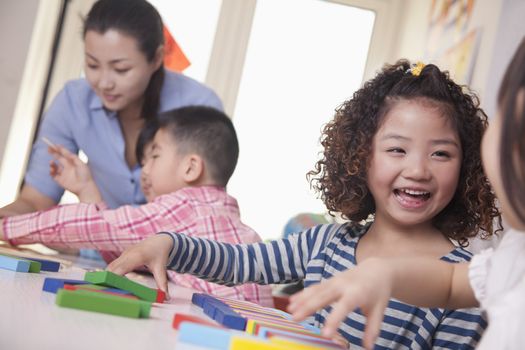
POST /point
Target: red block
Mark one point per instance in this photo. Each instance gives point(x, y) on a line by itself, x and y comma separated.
point(161, 296)
point(179, 318)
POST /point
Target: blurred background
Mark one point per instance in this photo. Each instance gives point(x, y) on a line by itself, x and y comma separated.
point(281, 67)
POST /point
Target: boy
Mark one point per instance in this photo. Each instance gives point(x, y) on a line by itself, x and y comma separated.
point(193, 155)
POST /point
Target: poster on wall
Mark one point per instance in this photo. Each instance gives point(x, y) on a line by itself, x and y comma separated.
point(449, 43)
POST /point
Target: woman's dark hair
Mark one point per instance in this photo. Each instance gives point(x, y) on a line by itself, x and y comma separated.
point(140, 20)
point(340, 177)
point(146, 136)
point(511, 101)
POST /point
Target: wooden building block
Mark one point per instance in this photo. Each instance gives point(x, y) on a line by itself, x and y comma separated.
point(98, 289)
point(14, 264)
point(242, 343)
point(161, 296)
point(104, 303)
point(112, 280)
point(47, 265)
point(180, 318)
point(205, 336)
point(52, 285)
point(311, 339)
point(34, 266)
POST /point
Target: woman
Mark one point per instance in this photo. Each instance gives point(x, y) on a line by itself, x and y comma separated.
point(102, 115)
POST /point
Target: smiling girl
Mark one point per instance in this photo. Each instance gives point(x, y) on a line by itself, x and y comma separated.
point(403, 154)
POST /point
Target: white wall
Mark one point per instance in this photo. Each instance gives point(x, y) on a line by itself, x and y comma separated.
point(502, 28)
point(509, 34)
point(16, 25)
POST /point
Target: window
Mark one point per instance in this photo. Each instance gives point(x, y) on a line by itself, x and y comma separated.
point(300, 65)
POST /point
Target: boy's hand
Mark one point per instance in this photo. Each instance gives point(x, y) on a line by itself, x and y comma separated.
point(73, 174)
point(152, 252)
point(367, 286)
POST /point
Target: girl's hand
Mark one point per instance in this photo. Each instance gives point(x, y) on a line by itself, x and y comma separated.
point(367, 286)
point(152, 252)
point(73, 174)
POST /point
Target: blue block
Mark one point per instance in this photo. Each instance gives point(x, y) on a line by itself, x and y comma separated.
point(14, 264)
point(222, 313)
point(47, 265)
point(205, 336)
point(199, 299)
point(52, 285)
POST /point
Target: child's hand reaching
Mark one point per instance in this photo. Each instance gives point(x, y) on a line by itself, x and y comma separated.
point(367, 286)
point(152, 252)
point(73, 174)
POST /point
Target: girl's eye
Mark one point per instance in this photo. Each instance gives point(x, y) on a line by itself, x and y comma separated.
point(92, 66)
point(396, 150)
point(442, 154)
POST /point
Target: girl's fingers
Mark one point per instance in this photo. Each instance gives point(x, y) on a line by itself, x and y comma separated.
point(340, 310)
point(123, 264)
point(373, 326)
point(159, 274)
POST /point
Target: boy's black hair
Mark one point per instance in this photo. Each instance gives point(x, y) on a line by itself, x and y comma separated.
point(341, 175)
point(512, 148)
point(141, 21)
point(207, 132)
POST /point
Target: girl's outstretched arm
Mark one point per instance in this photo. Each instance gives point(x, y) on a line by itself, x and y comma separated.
point(423, 282)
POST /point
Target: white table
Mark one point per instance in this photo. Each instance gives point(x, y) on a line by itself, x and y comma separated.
point(30, 319)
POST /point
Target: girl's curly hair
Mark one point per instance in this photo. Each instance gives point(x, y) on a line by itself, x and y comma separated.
point(340, 176)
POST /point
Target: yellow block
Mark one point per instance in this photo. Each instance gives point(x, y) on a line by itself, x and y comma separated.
point(274, 343)
point(243, 343)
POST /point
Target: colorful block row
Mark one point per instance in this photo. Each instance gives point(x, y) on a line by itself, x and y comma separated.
point(224, 339)
point(259, 321)
point(18, 264)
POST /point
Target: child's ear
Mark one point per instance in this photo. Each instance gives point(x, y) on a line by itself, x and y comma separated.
point(194, 168)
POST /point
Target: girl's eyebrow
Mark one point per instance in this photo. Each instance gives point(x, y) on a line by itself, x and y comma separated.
point(395, 137)
point(446, 141)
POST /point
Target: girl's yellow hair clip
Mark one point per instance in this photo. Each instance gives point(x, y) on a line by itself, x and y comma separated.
point(417, 68)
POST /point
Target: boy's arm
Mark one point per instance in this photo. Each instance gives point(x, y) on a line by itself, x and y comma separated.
point(418, 281)
point(92, 226)
point(73, 175)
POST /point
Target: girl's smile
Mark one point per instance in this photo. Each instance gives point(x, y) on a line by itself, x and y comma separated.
point(412, 198)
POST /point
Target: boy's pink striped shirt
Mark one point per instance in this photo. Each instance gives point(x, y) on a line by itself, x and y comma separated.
point(205, 212)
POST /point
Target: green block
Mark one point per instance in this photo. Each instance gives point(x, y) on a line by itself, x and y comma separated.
point(104, 303)
point(112, 280)
point(34, 266)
